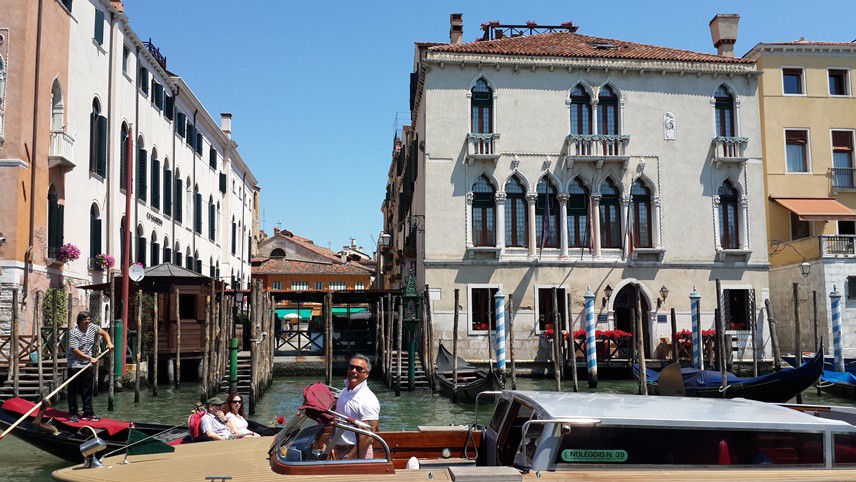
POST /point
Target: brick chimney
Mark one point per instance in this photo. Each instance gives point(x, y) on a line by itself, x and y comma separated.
point(226, 124)
point(456, 28)
point(723, 31)
point(118, 5)
point(276, 231)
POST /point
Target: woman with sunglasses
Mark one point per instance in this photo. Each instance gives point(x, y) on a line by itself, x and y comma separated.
point(235, 416)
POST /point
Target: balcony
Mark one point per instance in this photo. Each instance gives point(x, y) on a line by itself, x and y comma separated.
point(61, 151)
point(729, 150)
point(838, 246)
point(843, 178)
point(482, 147)
point(596, 148)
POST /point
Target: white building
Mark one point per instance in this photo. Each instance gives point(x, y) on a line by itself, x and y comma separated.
point(645, 160)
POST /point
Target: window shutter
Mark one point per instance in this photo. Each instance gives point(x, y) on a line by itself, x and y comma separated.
point(101, 154)
point(223, 182)
point(95, 238)
point(167, 255)
point(212, 158)
point(99, 26)
point(67, 4)
point(178, 207)
point(191, 135)
point(180, 124)
point(155, 183)
point(141, 175)
point(169, 106)
point(167, 194)
point(197, 212)
point(199, 144)
point(155, 255)
point(199, 270)
point(154, 91)
point(212, 221)
point(60, 224)
point(144, 81)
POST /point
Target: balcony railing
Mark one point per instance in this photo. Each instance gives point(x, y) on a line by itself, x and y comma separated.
point(843, 178)
point(61, 150)
point(482, 146)
point(596, 148)
point(729, 149)
point(838, 245)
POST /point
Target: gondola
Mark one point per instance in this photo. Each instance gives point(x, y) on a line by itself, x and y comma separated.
point(66, 443)
point(777, 387)
point(828, 363)
point(471, 380)
point(839, 384)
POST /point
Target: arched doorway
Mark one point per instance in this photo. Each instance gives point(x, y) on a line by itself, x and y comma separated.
point(625, 303)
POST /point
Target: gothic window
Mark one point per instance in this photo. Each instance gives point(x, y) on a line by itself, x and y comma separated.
point(580, 111)
point(55, 222)
point(178, 207)
point(142, 169)
point(97, 137)
point(141, 245)
point(234, 236)
point(167, 252)
point(607, 112)
point(728, 219)
point(547, 215)
point(482, 108)
point(155, 250)
point(640, 199)
point(197, 210)
point(212, 219)
point(610, 220)
point(578, 221)
point(515, 213)
point(484, 213)
point(167, 189)
point(156, 185)
point(724, 107)
point(123, 156)
point(94, 231)
point(176, 260)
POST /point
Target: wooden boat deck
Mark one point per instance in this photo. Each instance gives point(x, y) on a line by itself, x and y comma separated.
point(246, 460)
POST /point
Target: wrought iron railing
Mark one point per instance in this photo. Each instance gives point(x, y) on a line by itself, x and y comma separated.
point(843, 178)
point(479, 144)
point(597, 145)
point(156, 53)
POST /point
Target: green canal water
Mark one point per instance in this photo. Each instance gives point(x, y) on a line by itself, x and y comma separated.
point(22, 462)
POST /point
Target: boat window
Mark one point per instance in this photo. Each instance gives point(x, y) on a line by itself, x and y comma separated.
point(845, 448)
point(529, 444)
point(498, 414)
point(512, 431)
point(664, 446)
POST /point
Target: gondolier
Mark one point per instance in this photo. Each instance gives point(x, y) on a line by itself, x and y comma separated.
point(357, 401)
point(81, 341)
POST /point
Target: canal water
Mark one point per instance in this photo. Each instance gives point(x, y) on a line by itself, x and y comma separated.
point(22, 462)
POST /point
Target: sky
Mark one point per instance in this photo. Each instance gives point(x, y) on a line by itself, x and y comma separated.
point(315, 86)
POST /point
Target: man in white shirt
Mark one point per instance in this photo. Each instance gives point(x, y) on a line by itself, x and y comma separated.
point(214, 422)
point(357, 401)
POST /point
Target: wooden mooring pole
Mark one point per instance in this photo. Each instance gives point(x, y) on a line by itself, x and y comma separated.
point(398, 340)
point(557, 340)
point(429, 339)
point(54, 338)
point(328, 336)
point(640, 345)
point(13, 350)
point(206, 349)
point(387, 349)
point(814, 320)
point(455, 347)
point(511, 365)
point(797, 332)
point(138, 346)
point(674, 320)
point(38, 328)
point(154, 373)
point(572, 351)
point(177, 337)
point(774, 336)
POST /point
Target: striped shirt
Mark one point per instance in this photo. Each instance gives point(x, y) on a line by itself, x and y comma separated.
point(83, 341)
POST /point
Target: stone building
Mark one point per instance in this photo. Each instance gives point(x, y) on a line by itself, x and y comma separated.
point(539, 157)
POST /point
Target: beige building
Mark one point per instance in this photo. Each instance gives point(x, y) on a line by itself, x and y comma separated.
point(808, 118)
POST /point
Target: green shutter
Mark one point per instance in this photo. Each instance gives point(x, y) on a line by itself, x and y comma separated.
point(167, 191)
point(141, 174)
point(169, 106)
point(99, 26)
point(101, 156)
point(155, 183)
point(223, 182)
point(178, 207)
point(95, 238)
point(60, 223)
point(180, 124)
point(199, 144)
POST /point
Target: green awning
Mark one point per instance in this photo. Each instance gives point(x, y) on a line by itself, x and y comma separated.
point(344, 311)
point(305, 314)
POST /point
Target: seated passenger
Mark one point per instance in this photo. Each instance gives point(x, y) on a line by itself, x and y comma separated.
point(235, 416)
point(214, 422)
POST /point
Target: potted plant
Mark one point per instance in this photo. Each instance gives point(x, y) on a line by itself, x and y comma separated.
point(105, 261)
point(67, 252)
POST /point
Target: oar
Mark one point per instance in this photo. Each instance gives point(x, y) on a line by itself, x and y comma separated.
point(57, 390)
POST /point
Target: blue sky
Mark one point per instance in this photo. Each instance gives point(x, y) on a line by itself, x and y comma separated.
point(315, 86)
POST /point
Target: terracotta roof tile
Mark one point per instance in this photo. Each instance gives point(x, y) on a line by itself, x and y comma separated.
point(288, 266)
point(566, 44)
point(803, 41)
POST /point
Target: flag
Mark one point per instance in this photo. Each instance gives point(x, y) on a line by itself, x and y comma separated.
point(629, 240)
point(545, 225)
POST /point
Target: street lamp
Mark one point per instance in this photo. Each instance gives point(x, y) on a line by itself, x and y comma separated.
point(664, 293)
point(385, 239)
point(608, 292)
point(805, 269)
point(412, 312)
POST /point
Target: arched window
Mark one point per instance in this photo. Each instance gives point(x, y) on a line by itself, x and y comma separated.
point(484, 213)
point(177, 255)
point(141, 246)
point(211, 272)
point(197, 266)
point(580, 111)
point(212, 218)
point(167, 189)
point(729, 231)
point(142, 169)
point(482, 108)
point(234, 236)
point(55, 222)
point(578, 222)
point(156, 174)
point(640, 199)
point(93, 134)
point(155, 254)
point(57, 109)
point(610, 220)
point(547, 215)
point(515, 214)
point(277, 253)
point(197, 210)
point(94, 231)
point(179, 194)
point(123, 157)
point(724, 104)
point(167, 252)
point(217, 270)
point(188, 260)
point(607, 112)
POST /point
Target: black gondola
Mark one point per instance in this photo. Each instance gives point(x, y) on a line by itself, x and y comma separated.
point(777, 387)
point(471, 380)
point(839, 384)
point(66, 443)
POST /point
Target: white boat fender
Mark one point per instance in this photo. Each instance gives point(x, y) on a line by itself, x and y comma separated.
point(412, 464)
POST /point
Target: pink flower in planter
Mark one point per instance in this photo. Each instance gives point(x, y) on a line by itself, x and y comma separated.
point(68, 252)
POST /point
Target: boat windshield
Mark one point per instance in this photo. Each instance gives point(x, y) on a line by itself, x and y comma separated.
point(304, 440)
point(670, 446)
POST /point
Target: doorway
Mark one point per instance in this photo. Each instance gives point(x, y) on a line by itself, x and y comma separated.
point(625, 303)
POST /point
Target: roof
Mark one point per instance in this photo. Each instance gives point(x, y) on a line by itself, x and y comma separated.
point(817, 209)
point(801, 45)
point(169, 270)
point(615, 409)
point(290, 266)
point(567, 44)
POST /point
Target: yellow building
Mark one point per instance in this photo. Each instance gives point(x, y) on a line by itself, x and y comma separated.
point(808, 118)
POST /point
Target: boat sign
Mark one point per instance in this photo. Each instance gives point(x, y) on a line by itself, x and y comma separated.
point(586, 455)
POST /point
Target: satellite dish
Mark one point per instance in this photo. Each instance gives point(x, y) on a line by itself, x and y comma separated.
point(136, 272)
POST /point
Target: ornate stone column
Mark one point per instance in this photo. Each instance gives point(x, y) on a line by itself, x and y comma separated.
point(625, 221)
point(743, 224)
point(530, 222)
point(595, 220)
point(656, 240)
point(563, 224)
point(469, 217)
point(716, 227)
point(500, 197)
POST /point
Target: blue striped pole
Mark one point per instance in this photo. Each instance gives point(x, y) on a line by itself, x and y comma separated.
point(591, 344)
point(499, 303)
point(835, 299)
point(698, 356)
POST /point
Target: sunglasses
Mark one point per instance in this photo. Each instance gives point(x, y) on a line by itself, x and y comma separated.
point(358, 368)
point(236, 401)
